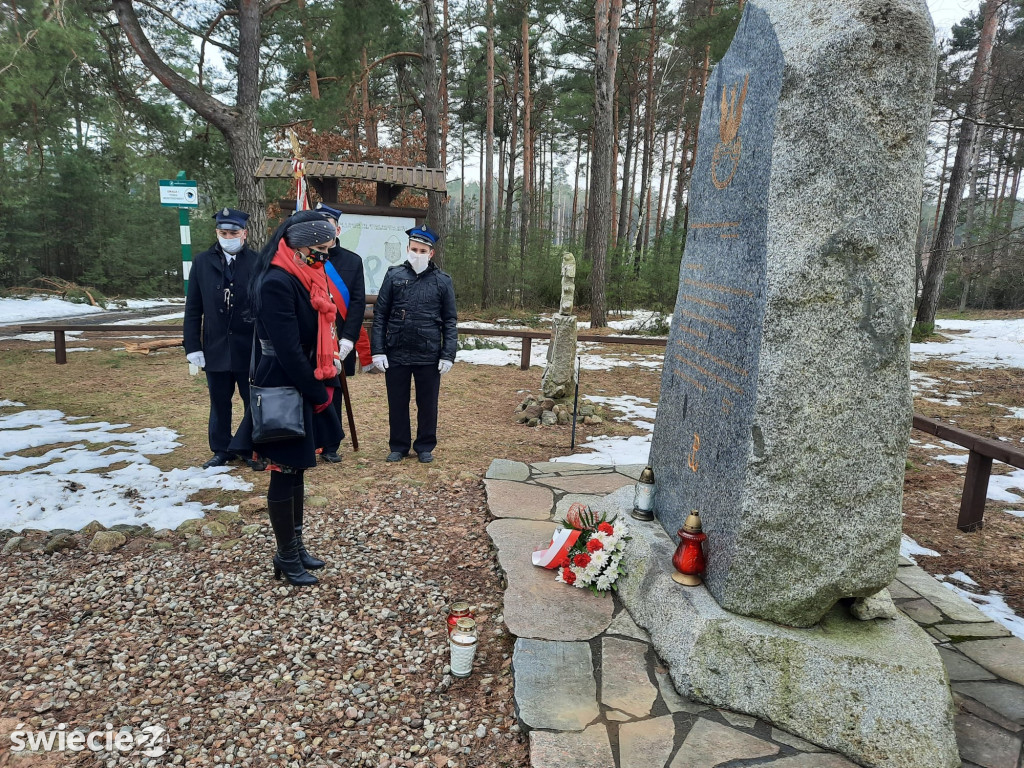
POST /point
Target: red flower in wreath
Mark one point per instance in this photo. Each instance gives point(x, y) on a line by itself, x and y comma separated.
point(594, 545)
point(568, 576)
point(582, 560)
point(606, 528)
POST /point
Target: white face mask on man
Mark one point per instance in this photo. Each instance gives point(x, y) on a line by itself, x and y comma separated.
point(418, 261)
point(230, 245)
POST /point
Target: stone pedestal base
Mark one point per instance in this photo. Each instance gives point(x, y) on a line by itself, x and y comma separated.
point(560, 372)
point(875, 691)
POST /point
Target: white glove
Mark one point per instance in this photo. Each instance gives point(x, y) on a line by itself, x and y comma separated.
point(345, 346)
point(381, 361)
point(338, 366)
point(198, 359)
point(444, 366)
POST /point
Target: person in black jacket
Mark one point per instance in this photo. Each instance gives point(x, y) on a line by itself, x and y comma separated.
point(298, 347)
point(414, 337)
point(349, 267)
point(218, 329)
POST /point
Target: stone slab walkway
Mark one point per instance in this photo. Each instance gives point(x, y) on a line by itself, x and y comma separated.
point(592, 693)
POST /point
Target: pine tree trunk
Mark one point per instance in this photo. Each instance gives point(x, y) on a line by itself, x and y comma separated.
point(432, 120)
point(606, 32)
point(925, 321)
point(512, 143)
point(485, 288)
point(526, 194)
point(625, 199)
point(575, 189)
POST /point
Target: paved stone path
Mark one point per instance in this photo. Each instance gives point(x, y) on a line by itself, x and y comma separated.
point(592, 693)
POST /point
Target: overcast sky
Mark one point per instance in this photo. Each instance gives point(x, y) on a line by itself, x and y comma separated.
point(946, 13)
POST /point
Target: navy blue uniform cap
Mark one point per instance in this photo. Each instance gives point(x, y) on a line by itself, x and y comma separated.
point(229, 218)
point(423, 234)
point(326, 210)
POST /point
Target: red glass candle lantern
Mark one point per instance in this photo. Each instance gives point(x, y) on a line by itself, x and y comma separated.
point(689, 555)
point(458, 610)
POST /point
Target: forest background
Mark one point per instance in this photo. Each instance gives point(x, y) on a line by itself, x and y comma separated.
point(568, 126)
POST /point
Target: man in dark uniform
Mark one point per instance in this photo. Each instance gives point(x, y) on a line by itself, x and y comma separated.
point(218, 329)
point(414, 337)
point(349, 268)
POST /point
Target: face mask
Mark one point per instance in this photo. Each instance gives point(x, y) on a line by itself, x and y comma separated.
point(316, 258)
point(418, 261)
point(230, 245)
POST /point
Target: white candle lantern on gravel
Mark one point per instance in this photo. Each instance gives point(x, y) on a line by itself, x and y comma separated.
point(463, 641)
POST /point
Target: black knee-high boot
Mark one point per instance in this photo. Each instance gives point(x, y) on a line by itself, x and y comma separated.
point(309, 562)
point(287, 560)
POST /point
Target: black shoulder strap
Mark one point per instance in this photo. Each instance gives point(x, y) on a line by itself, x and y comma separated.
point(252, 356)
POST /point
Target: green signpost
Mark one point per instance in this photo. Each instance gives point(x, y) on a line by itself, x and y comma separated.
point(181, 193)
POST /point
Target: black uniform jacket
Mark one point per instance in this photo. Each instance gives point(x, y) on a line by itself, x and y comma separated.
point(216, 310)
point(350, 268)
point(414, 320)
point(288, 322)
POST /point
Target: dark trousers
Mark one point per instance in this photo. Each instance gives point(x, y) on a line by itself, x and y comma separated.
point(222, 388)
point(399, 379)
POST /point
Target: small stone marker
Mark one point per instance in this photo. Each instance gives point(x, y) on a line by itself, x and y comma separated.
point(785, 401)
point(560, 372)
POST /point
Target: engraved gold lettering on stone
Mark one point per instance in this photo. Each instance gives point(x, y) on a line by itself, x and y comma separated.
point(693, 331)
point(723, 326)
point(726, 157)
point(706, 302)
point(728, 235)
point(692, 461)
point(694, 266)
point(712, 358)
point(714, 224)
point(726, 405)
point(709, 374)
point(717, 287)
point(690, 380)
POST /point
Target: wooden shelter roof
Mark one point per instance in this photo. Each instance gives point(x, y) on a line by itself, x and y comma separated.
point(428, 179)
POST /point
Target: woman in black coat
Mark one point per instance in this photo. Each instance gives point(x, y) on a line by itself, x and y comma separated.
point(297, 347)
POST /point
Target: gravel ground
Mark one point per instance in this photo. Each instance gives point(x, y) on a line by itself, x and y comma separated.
point(243, 671)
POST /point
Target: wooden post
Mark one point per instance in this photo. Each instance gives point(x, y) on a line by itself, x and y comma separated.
point(60, 347)
point(524, 360)
point(972, 504)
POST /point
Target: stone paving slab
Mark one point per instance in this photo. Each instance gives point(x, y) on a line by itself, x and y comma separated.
point(709, 744)
point(955, 608)
point(564, 466)
point(958, 632)
point(554, 683)
point(623, 624)
point(921, 611)
point(647, 744)
point(978, 709)
point(1004, 656)
point(671, 697)
point(503, 469)
point(506, 498)
point(961, 668)
point(985, 744)
point(587, 749)
point(625, 684)
point(795, 742)
point(1007, 700)
point(535, 605)
point(588, 483)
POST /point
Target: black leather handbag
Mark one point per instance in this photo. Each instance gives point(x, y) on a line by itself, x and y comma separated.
point(276, 411)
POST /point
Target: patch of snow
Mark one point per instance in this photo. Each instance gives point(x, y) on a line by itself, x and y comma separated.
point(39, 308)
point(11, 404)
point(638, 411)
point(992, 605)
point(66, 486)
point(961, 577)
point(1015, 413)
point(70, 349)
point(909, 548)
point(612, 450)
point(155, 320)
point(985, 343)
point(39, 336)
